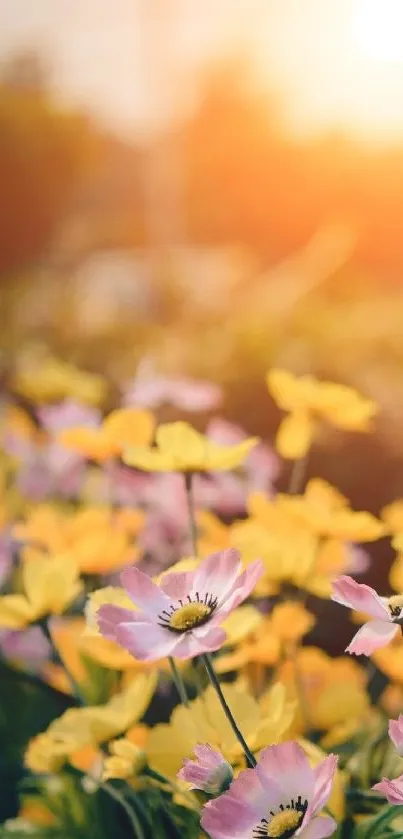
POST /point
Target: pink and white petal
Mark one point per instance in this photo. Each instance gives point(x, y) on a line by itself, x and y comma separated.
point(396, 733)
point(392, 790)
point(217, 573)
point(208, 756)
point(318, 828)
point(324, 774)
point(177, 585)
point(147, 641)
point(288, 766)
point(241, 588)
point(371, 637)
point(109, 617)
point(192, 644)
point(144, 593)
point(228, 817)
point(359, 596)
point(248, 789)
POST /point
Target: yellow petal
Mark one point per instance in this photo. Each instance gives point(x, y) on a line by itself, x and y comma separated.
point(241, 622)
point(15, 611)
point(149, 460)
point(228, 457)
point(89, 442)
point(109, 594)
point(295, 435)
point(129, 427)
point(291, 393)
point(396, 574)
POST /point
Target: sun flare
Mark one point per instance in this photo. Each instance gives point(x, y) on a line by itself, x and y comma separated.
point(378, 28)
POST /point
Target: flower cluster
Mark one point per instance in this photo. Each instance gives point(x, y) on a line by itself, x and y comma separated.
point(166, 609)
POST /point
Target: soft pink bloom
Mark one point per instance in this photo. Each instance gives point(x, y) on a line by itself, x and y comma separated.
point(396, 733)
point(210, 772)
point(68, 414)
point(282, 792)
point(180, 616)
point(28, 647)
point(392, 790)
point(150, 390)
point(262, 465)
point(357, 559)
point(387, 616)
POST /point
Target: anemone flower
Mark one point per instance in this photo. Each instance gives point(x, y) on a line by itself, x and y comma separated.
point(180, 616)
point(210, 772)
point(281, 797)
point(386, 611)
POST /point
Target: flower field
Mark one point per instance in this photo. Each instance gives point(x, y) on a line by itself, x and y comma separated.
point(168, 617)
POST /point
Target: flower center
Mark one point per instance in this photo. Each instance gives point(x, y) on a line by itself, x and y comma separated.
point(395, 605)
point(284, 823)
point(186, 616)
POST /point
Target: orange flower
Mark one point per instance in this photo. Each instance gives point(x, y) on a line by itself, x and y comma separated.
point(121, 429)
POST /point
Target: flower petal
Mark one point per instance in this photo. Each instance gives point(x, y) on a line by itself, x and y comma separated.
point(371, 637)
point(242, 587)
point(217, 573)
point(144, 593)
point(191, 644)
point(288, 765)
point(392, 790)
point(396, 733)
point(324, 774)
point(295, 435)
point(318, 828)
point(228, 817)
point(109, 616)
point(178, 584)
point(147, 641)
point(360, 597)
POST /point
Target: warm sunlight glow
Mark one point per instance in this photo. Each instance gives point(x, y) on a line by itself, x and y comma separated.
point(378, 28)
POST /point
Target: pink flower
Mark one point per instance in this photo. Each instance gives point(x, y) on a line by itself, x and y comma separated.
point(210, 772)
point(392, 790)
point(386, 611)
point(281, 797)
point(150, 390)
point(396, 734)
point(180, 616)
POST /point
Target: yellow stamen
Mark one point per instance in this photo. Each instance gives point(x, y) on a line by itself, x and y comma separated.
point(284, 824)
point(189, 616)
point(395, 604)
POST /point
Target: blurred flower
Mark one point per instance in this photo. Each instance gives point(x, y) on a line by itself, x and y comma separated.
point(180, 448)
point(396, 734)
point(261, 722)
point(392, 790)
point(48, 379)
point(280, 797)
point(90, 726)
point(50, 584)
point(125, 761)
point(308, 401)
point(210, 771)
point(150, 390)
point(179, 617)
point(29, 647)
point(386, 611)
point(121, 429)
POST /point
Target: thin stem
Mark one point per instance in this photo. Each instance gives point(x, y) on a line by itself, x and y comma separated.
point(179, 683)
point(385, 816)
point(191, 511)
point(208, 663)
point(297, 475)
point(44, 625)
point(131, 815)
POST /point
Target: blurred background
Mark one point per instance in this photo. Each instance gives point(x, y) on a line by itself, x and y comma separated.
point(216, 186)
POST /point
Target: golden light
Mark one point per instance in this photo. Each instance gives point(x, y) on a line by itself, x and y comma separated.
point(378, 28)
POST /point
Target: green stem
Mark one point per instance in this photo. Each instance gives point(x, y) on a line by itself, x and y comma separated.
point(179, 683)
point(297, 475)
point(208, 663)
point(191, 511)
point(386, 816)
point(131, 815)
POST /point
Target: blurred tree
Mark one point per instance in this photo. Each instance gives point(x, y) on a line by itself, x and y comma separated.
point(44, 154)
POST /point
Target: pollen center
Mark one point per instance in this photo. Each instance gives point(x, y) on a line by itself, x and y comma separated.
point(283, 825)
point(395, 604)
point(189, 616)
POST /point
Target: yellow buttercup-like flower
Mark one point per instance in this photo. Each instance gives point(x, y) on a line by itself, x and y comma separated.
point(122, 428)
point(90, 726)
point(204, 721)
point(180, 448)
point(125, 761)
point(309, 401)
point(50, 584)
point(49, 379)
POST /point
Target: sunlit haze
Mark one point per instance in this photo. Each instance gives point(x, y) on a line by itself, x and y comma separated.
point(333, 64)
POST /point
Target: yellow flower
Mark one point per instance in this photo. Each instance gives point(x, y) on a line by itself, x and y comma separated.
point(50, 584)
point(100, 539)
point(390, 660)
point(109, 594)
point(336, 802)
point(50, 380)
point(180, 448)
point(122, 428)
point(309, 401)
point(125, 761)
point(90, 726)
point(392, 515)
point(214, 535)
point(204, 721)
